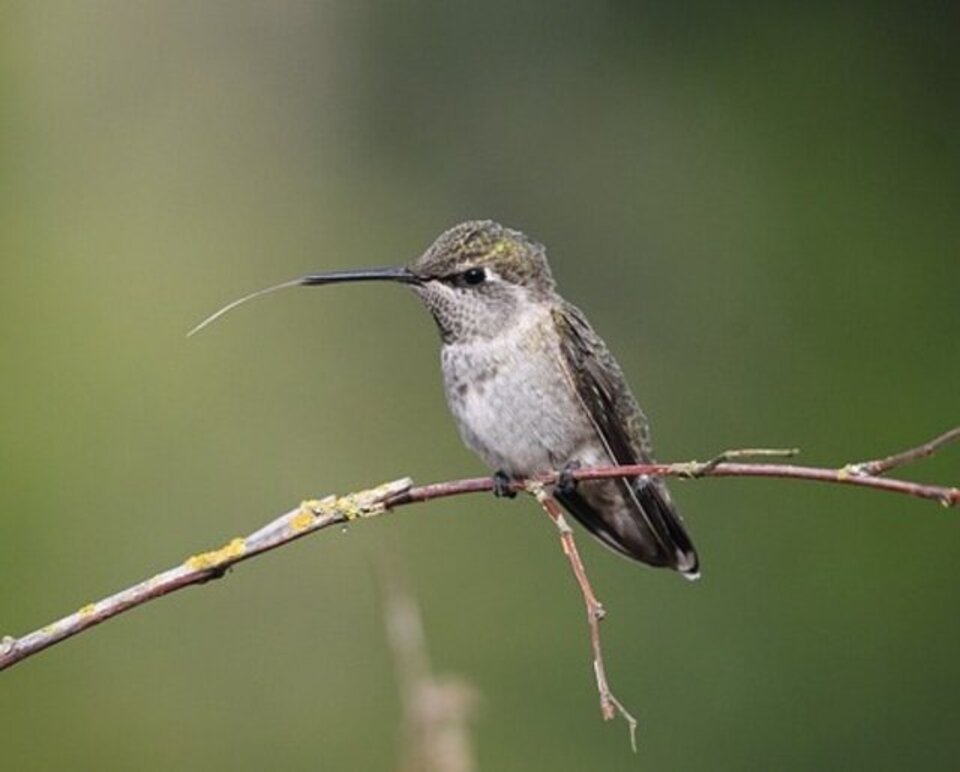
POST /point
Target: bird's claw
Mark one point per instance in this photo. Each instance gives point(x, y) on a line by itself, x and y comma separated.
point(503, 485)
point(566, 482)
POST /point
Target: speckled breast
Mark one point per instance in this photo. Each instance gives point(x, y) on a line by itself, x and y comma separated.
point(511, 398)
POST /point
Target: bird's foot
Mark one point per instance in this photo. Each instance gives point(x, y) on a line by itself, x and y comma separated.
point(566, 482)
point(503, 485)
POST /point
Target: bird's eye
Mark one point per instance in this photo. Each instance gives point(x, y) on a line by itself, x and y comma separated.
point(474, 276)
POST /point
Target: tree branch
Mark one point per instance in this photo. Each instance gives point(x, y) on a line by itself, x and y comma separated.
point(316, 515)
point(850, 474)
point(310, 516)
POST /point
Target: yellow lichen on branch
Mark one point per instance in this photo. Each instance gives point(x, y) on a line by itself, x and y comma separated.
point(205, 560)
point(304, 518)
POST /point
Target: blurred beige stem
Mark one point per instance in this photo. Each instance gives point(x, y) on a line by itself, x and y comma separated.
point(436, 709)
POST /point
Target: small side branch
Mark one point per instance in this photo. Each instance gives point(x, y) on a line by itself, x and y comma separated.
point(883, 465)
point(610, 706)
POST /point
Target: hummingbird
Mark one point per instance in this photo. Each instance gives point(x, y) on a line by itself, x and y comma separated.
point(532, 387)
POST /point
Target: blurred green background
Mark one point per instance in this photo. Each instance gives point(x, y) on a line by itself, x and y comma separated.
point(757, 207)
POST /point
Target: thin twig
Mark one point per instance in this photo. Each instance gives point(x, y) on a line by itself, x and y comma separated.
point(882, 465)
point(699, 470)
point(947, 496)
point(609, 704)
point(316, 515)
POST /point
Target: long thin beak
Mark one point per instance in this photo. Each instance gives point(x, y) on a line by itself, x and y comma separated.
point(401, 275)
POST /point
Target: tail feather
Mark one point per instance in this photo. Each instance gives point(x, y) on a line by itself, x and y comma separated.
point(639, 521)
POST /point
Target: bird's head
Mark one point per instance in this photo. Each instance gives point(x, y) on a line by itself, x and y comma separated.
point(478, 277)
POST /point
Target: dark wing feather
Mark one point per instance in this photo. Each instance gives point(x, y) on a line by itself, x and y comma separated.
point(636, 517)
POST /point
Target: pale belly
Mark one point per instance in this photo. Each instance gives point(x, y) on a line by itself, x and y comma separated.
point(514, 407)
